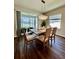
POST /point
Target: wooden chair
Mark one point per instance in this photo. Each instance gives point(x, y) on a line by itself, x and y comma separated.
point(45, 38)
point(53, 34)
point(29, 39)
point(26, 38)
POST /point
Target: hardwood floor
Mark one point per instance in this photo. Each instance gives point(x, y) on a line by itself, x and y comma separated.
point(36, 51)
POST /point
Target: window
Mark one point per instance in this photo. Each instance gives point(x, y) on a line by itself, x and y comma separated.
point(28, 21)
point(55, 20)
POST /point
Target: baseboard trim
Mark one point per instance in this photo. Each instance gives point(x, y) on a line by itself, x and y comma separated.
point(61, 36)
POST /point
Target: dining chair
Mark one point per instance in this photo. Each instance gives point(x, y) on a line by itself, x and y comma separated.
point(44, 38)
point(28, 38)
point(53, 34)
point(23, 36)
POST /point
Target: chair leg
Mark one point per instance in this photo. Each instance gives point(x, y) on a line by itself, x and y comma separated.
point(48, 43)
point(54, 39)
point(44, 45)
point(51, 42)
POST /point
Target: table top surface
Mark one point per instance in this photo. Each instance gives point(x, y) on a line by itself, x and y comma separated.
point(35, 33)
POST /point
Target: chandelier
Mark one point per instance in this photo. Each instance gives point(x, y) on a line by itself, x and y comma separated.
point(43, 16)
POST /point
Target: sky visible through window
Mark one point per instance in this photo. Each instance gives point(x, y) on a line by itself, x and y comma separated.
point(28, 21)
point(55, 20)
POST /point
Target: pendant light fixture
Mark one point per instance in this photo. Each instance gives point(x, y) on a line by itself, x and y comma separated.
point(43, 16)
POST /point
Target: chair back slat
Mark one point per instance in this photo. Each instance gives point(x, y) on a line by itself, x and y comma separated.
point(54, 31)
point(47, 34)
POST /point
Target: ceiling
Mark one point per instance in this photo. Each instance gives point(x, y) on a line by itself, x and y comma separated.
point(36, 4)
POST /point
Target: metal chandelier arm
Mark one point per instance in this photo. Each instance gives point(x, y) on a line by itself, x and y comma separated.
point(43, 1)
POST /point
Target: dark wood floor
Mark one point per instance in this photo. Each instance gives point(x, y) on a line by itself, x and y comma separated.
point(36, 51)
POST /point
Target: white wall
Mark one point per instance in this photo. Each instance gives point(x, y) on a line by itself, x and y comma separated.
point(59, 10)
point(15, 22)
point(26, 11)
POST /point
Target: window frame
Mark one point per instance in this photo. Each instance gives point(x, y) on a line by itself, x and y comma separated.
point(29, 17)
point(57, 19)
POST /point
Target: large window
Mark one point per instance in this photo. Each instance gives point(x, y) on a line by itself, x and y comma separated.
point(55, 20)
point(28, 21)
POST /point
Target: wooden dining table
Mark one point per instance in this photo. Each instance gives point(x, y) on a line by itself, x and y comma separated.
point(34, 33)
point(38, 31)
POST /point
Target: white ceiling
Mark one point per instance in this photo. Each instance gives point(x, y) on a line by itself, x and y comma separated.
point(36, 4)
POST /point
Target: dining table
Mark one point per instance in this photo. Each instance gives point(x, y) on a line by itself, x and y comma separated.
point(38, 31)
point(33, 33)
